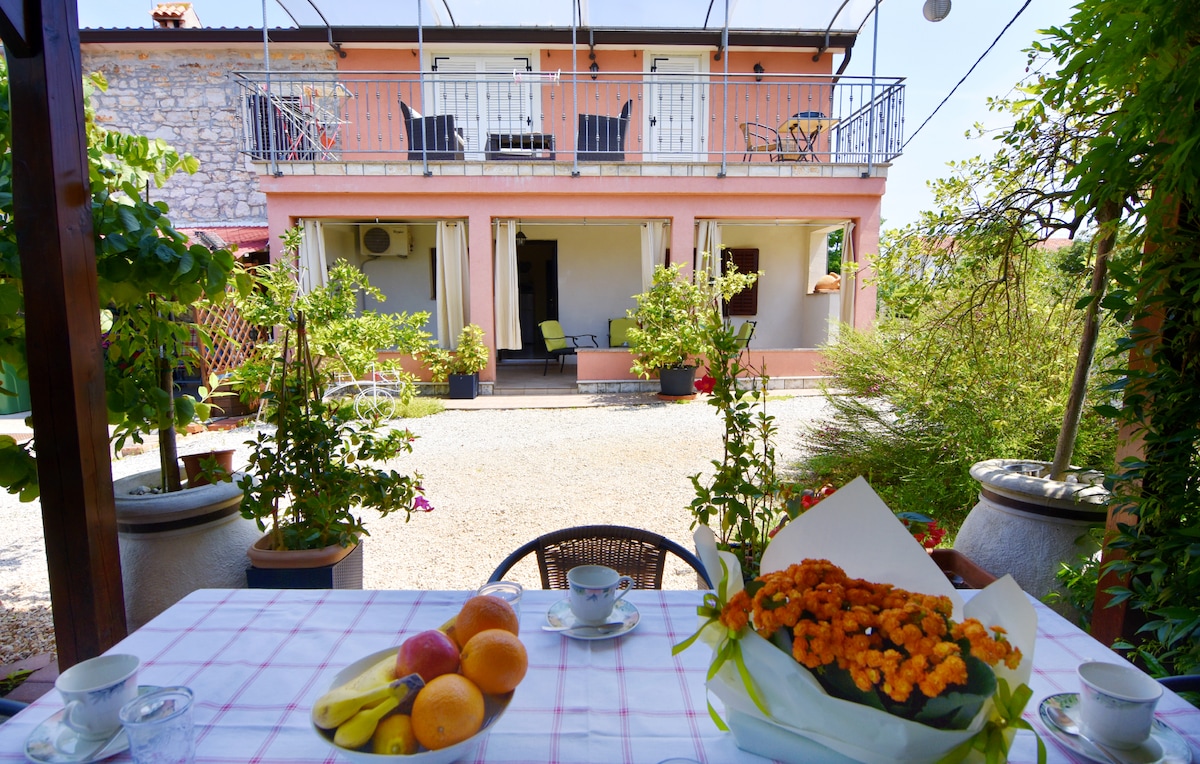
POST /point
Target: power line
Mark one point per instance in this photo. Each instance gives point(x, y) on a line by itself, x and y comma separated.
point(968, 74)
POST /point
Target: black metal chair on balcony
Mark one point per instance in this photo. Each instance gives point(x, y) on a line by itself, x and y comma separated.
point(601, 138)
point(434, 137)
point(633, 552)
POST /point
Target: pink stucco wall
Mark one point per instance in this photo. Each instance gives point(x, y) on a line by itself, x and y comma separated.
point(613, 364)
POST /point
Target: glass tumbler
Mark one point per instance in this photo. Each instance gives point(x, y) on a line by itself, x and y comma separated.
point(506, 590)
point(159, 725)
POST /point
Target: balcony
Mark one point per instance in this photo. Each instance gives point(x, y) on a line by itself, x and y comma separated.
point(564, 123)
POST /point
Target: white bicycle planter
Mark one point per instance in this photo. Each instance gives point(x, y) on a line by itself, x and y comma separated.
point(382, 395)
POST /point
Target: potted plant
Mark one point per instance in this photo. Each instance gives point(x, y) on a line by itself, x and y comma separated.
point(672, 316)
point(461, 366)
point(307, 480)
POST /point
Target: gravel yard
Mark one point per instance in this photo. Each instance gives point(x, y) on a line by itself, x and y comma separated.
point(496, 478)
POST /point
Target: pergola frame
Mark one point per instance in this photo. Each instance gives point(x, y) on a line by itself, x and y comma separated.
point(52, 212)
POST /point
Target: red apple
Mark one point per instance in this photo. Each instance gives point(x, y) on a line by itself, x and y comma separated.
point(430, 654)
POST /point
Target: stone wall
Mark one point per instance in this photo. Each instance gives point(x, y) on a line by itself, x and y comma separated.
point(189, 98)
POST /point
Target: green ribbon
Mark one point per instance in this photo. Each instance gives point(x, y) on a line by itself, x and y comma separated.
point(991, 740)
point(730, 647)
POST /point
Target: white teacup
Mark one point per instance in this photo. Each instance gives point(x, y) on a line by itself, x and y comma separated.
point(594, 591)
point(1116, 703)
point(94, 691)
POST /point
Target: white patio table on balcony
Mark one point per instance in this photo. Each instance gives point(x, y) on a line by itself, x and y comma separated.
point(257, 659)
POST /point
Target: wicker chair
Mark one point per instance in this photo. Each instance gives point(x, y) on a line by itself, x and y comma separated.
point(10, 708)
point(632, 552)
point(1185, 683)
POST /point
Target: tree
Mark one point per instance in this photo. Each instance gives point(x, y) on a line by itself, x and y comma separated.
point(148, 277)
point(1133, 66)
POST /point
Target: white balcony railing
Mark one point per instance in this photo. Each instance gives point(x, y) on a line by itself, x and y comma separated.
point(569, 118)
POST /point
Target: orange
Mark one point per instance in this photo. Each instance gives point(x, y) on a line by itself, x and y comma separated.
point(495, 660)
point(448, 710)
point(480, 613)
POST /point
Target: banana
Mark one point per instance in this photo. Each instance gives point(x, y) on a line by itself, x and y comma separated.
point(335, 707)
point(358, 729)
point(378, 673)
point(375, 676)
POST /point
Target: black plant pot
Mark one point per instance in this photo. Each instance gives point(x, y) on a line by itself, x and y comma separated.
point(677, 382)
point(464, 386)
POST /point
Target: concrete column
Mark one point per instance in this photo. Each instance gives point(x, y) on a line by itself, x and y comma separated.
point(683, 239)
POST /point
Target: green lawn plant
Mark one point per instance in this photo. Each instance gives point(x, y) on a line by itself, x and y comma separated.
point(673, 316)
point(149, 281)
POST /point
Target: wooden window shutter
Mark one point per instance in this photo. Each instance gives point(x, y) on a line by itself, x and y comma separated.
point(745, 302)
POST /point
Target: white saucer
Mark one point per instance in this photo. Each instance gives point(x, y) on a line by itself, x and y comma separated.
point(1165, 745)
point(53, 742)
point(560, 615)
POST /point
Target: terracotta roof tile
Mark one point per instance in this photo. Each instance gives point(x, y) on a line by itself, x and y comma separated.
point(247, 238)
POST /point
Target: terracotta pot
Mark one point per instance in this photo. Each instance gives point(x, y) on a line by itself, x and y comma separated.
point(263, 556)
point(333, 567)
point(194, 470)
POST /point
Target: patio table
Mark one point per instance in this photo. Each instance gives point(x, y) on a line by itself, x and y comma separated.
point(257, 659)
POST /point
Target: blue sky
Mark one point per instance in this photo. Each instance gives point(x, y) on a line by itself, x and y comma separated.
point(931, 57)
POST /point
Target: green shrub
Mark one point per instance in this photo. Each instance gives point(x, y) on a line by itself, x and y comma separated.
point(964, 372)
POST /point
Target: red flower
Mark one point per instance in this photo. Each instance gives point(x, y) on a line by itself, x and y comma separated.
point(706, 384)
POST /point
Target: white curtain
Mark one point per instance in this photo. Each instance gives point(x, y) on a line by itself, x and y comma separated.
point(312, 266)
point(849, 276)
point(654, 251)
point(508, 318)
point(708, 241)
point(453, 289)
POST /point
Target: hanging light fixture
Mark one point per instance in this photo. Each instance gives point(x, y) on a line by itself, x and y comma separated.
point(520, 234)
point(758, 72)
point(594, 69)
point(936, 10)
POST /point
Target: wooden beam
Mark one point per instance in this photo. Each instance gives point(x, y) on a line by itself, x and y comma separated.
point(52, 215)
point(14, 26)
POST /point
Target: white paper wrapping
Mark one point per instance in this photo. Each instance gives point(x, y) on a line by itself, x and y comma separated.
point(855, 530)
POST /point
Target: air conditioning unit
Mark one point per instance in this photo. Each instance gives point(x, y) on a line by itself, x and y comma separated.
point(383, 240)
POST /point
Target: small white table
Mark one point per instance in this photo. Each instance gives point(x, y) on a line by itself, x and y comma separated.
point(257, 659)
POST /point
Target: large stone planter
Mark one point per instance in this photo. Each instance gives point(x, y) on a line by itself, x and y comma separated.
point(175, 543)
point(1027, 525)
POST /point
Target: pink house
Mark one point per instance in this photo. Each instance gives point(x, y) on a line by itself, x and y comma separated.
point(505, 175)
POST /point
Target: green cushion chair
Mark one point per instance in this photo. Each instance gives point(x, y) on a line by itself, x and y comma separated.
point(618, 331)
point(745, 333)
point(557, 345)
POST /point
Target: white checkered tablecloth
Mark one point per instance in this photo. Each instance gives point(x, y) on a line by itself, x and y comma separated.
point(257, 659)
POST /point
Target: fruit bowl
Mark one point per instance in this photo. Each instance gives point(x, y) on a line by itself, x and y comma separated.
point(494, 707)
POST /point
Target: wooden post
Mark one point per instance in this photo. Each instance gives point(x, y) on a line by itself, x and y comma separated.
point(52, 215)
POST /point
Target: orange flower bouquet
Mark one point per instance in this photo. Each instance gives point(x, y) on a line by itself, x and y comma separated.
point(852, 640)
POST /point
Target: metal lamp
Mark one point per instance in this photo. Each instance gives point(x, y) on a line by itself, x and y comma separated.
point(936, 10)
